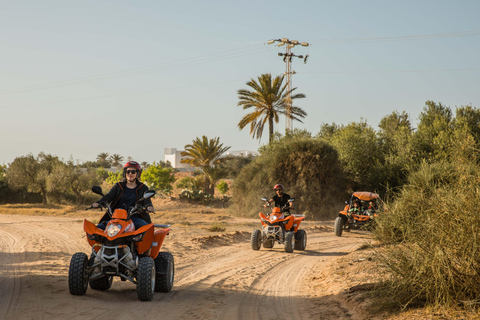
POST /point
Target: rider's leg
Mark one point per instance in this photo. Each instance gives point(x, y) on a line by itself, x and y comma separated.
point(139, 222)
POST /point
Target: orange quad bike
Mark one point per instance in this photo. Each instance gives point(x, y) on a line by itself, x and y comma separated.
point(365, 220)
point(276, 227)
point(121, 251)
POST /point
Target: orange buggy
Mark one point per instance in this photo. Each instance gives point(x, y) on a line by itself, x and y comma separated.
point(348, 221)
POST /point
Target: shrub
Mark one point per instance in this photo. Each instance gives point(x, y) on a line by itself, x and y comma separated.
point(222, 186)
point(159, 178)
point(307, 167)
point(434, 224)
point(114, 177)
point(217, 227)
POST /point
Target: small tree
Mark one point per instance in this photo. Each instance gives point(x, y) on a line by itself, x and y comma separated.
point(114, 177)
point(32, 173)
point(116, 160)
point(159, 178)
point(205, 154)
point(103, 160)
point(70, 178)
point(102, 173)
point(222, 186)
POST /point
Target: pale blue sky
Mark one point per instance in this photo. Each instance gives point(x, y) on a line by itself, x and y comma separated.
point(134, 77)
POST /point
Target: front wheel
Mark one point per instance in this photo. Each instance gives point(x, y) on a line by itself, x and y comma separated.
point(289, 243)
point(146, 279)
point(165, 267)
point(300, 240)
point(256, 239)
point(77, 274)
point(338, 226)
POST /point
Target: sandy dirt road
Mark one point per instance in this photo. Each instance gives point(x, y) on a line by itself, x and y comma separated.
point(217, 277)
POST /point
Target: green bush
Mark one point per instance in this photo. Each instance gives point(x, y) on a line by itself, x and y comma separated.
point(307, 167)
point(159, 178)
point(222, 186)
point(433, 228)
point(114, 177)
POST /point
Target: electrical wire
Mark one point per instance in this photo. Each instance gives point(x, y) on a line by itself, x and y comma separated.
point(217, 56)
point(413, 37)
point(223, 82)
point(223, 55)
point(393, 71)
point(119, 94)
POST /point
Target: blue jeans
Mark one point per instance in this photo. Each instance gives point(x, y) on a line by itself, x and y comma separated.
point(136, 219)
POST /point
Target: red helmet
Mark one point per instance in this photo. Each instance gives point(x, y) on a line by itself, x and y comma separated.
point(132, 164)
point(278, 186)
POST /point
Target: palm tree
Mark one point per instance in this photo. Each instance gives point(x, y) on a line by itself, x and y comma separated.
point(116, 160)
point(103, 160)
point(268, 99)
point(205, 153)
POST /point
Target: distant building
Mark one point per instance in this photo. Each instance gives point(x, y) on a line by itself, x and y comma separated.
point(242, 153)
point(174, 156)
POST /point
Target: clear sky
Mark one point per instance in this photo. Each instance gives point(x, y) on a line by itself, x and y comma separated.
point(83, 77)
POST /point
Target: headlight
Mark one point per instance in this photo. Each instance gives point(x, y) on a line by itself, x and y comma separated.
point(273, 218)
point(138, 237)
point(92, 236)
point(113, 229)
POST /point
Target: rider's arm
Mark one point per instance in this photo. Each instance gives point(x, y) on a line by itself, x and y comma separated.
point(268, 202)
point(109, 196)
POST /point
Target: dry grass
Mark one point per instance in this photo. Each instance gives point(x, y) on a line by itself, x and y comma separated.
point(39, 209)
point(217, 227)
point(434, 256)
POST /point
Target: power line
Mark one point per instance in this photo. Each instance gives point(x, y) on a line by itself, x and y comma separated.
point(216, 56)
point(118, 95)
point(393, 71)
point(227, 81)
point(398, 38)
point(223, 55)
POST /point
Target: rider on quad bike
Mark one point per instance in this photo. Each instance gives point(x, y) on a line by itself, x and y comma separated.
point(125, 193)
point(281, 200)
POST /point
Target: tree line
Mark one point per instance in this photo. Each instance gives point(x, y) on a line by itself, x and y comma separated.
point(359, 157)
point(49, 179)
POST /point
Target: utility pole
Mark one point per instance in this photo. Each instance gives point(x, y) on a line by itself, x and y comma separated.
point(287, 58)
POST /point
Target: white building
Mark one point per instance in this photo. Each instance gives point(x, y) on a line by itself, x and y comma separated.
point(174, 156)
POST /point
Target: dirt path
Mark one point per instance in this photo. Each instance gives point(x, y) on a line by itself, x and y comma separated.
point(216, 277)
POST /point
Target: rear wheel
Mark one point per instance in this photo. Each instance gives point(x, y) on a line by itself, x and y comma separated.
point(146, 279)
point(300, 240)
point(102, 284)
point(165, 268)
point(289, 243)
point(268, 243)
point(338, 226)
point(256, 239)
point(77, 274)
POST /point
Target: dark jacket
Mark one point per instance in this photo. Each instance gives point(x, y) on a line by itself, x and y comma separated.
point(282, 201)
point(114, 195)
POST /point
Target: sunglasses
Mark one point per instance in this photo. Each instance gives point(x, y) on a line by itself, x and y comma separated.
point(132, 171)
point(278, 190)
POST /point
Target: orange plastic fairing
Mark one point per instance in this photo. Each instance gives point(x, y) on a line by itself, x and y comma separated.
point(158, 237)
point(289, 223)
point(365, 195)
point(262, 216)
point(146, 243)
point(120, 214)
point(296, 222)
point(142, 246)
